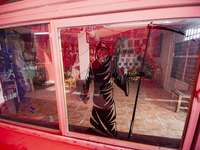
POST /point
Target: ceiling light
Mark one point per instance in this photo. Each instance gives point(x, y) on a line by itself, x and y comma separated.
point(167, 22)
point(40, 33)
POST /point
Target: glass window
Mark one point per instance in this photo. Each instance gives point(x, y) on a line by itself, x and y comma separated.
point(27, 76)
point(122, 80)
point(192, 33)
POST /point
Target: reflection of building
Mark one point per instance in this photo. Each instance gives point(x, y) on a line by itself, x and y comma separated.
point(44, 22)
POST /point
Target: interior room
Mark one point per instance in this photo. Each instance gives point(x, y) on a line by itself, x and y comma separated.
point(153, 106)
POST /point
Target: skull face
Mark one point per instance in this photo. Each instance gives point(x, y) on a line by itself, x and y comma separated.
point(102, 55)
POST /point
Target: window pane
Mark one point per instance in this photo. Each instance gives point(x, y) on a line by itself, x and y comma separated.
point(192, 31)
point(195, 30)
point(198, 29)
point(186, 33)
point(189, 31)
point(27, 76)
point(103, 66)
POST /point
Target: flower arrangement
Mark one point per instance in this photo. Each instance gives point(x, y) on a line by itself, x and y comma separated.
point(38, 80)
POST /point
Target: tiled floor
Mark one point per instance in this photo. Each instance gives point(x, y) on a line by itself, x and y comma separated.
point(38, 105)
point(155, 115)
point(40, 109)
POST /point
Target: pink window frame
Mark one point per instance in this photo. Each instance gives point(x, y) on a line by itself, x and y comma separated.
point(114, 13)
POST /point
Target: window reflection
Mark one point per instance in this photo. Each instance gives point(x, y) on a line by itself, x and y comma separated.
point(27, 77)
point(102, 90)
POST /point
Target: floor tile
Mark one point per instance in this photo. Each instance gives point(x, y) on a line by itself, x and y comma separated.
point(120, 104)
point(179, 117)
point(139, 124)
point(85, 124)
point(73, 122)
point(165, 117)
point(154, 125)
point(121, 111)
point(69, 112)
point(159, 133)
point(175, 136)
point(78, 115)
point(122, 120)
point(83, 107)
point(173, 128)
point(138, 115)
point(160, 109)
point(123, 129)
point(147, 115)
point(143, 132)
point(72, 106)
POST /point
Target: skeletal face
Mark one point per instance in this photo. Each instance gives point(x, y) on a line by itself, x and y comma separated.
point(102, 54)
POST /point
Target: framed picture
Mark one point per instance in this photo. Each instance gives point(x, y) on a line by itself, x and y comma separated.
point(136, 43)
point(144, 42)
point(131, 43)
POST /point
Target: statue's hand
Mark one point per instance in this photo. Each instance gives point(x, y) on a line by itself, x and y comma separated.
point(85, 97)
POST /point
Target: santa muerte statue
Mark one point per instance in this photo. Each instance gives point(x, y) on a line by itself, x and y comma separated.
point(104, 111)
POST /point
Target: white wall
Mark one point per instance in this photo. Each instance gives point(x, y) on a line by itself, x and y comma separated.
point(169, 41)
point(1, 95)
point(84, 59)
point(166, 60)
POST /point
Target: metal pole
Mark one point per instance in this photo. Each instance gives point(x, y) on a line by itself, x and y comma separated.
point(134, 110)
